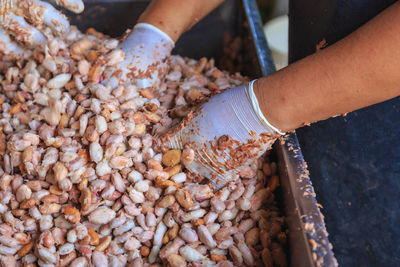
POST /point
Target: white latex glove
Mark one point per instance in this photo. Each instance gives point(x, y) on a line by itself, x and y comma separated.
point(234, 113)
point(24, 18)
point(146, 49)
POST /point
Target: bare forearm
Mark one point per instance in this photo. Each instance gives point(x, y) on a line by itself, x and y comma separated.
point(360, 70)
point(174, 17)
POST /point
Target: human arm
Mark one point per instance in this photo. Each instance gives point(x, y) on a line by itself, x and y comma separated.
point(150, 43)
point(358, 71)
point(174, 17)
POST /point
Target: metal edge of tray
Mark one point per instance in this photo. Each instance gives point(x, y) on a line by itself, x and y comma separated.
point(309, 243)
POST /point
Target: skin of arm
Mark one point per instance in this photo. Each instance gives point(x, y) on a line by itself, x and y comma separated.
point(174, 17)
point(360, 70)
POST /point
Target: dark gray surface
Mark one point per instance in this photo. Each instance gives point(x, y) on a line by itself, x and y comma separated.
point(354, 160)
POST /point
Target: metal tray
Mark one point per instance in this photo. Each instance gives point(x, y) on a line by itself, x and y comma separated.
point(308, 238)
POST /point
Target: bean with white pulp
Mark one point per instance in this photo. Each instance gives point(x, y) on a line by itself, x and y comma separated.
point(83, 181)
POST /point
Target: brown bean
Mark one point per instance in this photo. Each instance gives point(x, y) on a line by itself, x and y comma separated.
point(103, 243)
point(171, 158)
point(25, 249)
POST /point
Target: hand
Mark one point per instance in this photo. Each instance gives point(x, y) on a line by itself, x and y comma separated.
point(226, 133)
point(24, 19)
point(146, 49)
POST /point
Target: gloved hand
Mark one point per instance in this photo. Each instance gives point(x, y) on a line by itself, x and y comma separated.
point(146, 49)
point(225, 133)
point(23, 20)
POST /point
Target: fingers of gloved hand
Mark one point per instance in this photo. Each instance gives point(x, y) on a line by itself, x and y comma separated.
point(128, 71)
point(222, 159)
point(147, 46)
point(146, 51)
point(8, 46)
point(112, 81)
point(75, 6)
point(154, 79)
point(21, 30)
point(38, 12)
point(125, 73)
point(225, 134)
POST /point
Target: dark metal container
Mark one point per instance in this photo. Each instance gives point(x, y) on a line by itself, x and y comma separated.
point(236, 25)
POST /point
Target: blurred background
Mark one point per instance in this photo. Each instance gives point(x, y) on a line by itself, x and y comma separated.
point(274, 14)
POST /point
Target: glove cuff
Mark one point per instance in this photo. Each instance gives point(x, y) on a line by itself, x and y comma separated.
point(257, 110)
point(148, 26)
